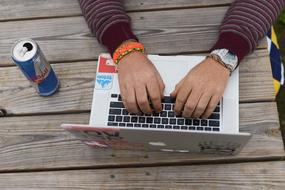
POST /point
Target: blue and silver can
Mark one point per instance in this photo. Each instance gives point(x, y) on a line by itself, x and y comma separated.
point(28, 56)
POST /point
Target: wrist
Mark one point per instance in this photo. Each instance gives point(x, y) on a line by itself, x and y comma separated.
point(221, 66)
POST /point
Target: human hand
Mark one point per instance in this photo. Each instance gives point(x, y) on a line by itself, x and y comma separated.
point(139, 80)
point(199, 92)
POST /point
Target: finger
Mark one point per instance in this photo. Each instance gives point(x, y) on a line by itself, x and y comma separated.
point(142, 100)
point(131, 101)
point(211, 106)
point(154, 94)
point(181, 98)
point(161, 84)
point(191, 103)
point(123, 95)
point(202, 105)
point(177, 87)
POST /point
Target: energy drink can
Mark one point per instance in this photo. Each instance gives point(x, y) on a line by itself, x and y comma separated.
point(27, 54)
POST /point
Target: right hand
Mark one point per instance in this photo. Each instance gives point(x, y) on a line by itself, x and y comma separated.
point(140, 81)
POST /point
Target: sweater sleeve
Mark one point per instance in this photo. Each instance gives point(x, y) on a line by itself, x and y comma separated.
point(108, 21)
point(245, 23)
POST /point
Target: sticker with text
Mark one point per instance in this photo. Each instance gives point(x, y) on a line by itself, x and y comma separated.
point(104, 81)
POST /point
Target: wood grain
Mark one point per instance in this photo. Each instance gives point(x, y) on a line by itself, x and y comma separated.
point(31, 9)
point(37, 143)
point(251, 176)
point(69, 39)
point(17, 96)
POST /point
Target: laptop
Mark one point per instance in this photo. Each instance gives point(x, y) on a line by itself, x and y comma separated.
point(111, 126)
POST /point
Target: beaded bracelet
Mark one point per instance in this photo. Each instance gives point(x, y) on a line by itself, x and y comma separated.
point(127, 48)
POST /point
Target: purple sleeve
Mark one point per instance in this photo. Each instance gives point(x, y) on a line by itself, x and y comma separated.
point(245, 23)
point(108, 21)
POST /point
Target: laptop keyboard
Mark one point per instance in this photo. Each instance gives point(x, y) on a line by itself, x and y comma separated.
point(166, 119)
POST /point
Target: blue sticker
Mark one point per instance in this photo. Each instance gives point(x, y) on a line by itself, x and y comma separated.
point(104, 81)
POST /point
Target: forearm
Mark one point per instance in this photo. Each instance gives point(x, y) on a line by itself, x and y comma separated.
point(108, 21)
point(245, 23)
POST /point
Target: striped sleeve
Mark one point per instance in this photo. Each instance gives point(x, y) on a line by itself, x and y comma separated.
point(245, 23)
point(108, 21)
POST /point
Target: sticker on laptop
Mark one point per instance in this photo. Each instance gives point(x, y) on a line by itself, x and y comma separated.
point(106, 64)
point(104, 81)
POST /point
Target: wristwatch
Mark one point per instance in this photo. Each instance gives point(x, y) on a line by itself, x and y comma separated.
point(225, 57)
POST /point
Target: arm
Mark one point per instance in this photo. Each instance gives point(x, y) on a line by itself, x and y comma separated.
point(138, 78)
point(108, 21)
point(245, 23)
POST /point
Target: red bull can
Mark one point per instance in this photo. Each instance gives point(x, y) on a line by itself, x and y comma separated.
point(28, 56)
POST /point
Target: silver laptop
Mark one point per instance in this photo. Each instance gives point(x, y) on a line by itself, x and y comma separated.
point(112, 126)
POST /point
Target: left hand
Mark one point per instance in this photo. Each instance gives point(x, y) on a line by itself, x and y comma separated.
point(199, 92)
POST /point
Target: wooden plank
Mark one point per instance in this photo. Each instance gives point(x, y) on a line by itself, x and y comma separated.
point(17, 96)
point(37, 143)
point(31, 9)
point(69, 39)
point(259, 175)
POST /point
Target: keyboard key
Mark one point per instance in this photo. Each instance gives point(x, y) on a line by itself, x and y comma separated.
point(200, 128)
point(180, 121)
point(114, 95)
point(164, 121)
point(130, 125)
point(137, 125)
point(141, 119)
point(163, 114)
point(116, 105)
point(145, 125)
point(168, 99)
point(171, 114)
point(214, 116)
point(134, 119)
point(152, 126)
point(149, 119)
point(112, 124)
point(122, 124)
point(204, 122)
point(207, 128)
point(120, 98)
point(214, 123)
point(160, 126)
point(126, 118)
point(156, 120)
point(168, 127)
point(192, 128)
point(155, 114)
point(125, 112)
point(216, 129)
point(167, 106)
point(184, 127)
point(172, 121)
point(115, 111)
point(176, 127)
point(119, 118)
point(111, 118)
point(196, 122)
point(217, 109)
point(188, 121)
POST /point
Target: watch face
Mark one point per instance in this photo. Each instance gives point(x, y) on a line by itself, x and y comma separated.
point(227, 57)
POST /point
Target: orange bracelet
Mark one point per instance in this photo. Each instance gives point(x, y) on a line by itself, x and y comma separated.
point(127, 48)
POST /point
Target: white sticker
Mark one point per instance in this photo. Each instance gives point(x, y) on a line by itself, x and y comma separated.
point(104, 81)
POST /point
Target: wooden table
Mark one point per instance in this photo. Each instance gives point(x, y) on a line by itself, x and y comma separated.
point(36, 154)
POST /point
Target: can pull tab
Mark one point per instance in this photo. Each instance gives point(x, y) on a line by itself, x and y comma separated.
point(26, 47)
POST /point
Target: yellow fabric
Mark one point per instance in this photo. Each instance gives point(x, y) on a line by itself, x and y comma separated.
point(274, 37)
point(276, 85)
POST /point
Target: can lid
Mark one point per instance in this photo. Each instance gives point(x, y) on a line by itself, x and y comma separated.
point(24, 50)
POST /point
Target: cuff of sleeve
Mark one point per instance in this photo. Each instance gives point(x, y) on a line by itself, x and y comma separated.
point(233, 42)
point(116, 34)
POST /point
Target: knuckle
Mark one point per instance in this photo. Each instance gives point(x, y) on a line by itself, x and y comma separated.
point(189, 106)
